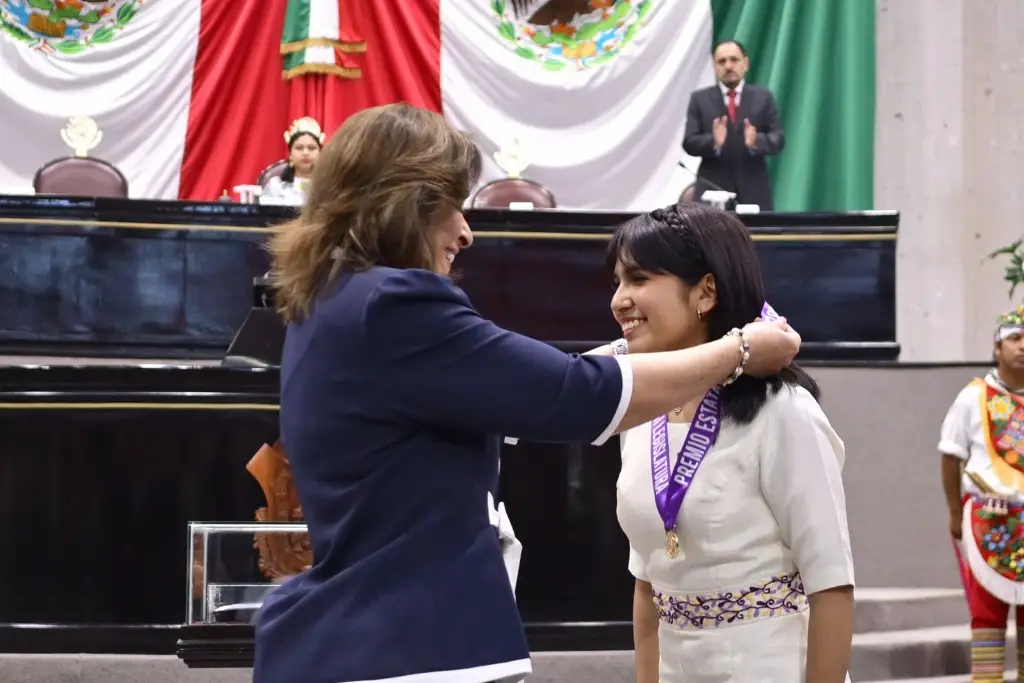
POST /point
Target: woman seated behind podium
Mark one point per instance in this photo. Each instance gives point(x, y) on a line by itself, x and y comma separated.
point(739, 545)
point(394, 395)
point(304, 139)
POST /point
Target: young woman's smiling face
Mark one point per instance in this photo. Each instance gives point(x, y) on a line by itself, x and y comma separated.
point(657, 311)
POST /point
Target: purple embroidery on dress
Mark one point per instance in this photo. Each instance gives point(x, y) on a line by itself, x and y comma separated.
point(783, 594)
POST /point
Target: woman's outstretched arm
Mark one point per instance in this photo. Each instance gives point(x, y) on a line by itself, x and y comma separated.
point(438, 361)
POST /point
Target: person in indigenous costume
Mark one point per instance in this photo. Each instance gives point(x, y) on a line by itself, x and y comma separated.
point(739, 545)
point(304, 139)
point(982, 447)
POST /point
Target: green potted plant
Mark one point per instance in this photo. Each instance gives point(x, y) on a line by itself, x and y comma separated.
point(1014, 271)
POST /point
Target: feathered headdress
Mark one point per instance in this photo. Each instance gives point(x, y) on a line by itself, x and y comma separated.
point(1013, 321)
point(307, 124)
point(1009, 323)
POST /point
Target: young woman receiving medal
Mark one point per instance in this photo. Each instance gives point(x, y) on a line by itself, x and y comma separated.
point(738, 541)
point(395, 393)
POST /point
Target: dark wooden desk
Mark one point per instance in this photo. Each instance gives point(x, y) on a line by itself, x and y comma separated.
point(131, 278)
point(103, 468)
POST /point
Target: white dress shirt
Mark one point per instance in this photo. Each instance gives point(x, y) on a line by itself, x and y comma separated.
point(725, 94)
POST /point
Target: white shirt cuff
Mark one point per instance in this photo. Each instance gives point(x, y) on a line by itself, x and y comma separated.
point(624, 399)
point(832, 577)
point(947, 447)
point(637, 567)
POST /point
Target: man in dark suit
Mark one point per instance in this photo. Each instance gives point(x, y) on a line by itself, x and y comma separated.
point(732, 126)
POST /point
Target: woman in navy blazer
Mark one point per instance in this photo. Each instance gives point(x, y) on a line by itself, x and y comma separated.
point(394, 394)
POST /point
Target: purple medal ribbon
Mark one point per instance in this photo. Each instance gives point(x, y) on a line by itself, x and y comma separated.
point(672, 484)
point(768, 313)
point(670, 487)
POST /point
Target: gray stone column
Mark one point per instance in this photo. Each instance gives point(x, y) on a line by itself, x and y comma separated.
point(949, 156)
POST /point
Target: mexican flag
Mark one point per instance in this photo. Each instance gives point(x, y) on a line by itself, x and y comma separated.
point(127, 64)
point(192, 96)
point(595, 91)
point(596, 100)
point(315, 42)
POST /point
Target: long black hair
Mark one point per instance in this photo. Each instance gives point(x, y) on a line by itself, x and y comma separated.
point(288, 176)
point(690, 241)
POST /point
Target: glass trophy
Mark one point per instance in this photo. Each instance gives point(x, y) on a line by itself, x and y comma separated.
point(232, 567)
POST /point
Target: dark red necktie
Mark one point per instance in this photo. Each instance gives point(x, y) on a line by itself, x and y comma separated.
point(732, 106)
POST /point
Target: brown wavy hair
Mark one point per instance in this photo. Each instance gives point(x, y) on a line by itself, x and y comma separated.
point(378, 184)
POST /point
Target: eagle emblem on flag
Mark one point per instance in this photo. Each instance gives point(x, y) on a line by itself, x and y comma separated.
point(65, 27)
point(587, 40)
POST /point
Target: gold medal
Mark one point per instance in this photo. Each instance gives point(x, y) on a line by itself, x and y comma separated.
point(672, 544)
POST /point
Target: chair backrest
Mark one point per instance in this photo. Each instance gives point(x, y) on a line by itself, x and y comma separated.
point(81, 176)
point(498, 194)
point(689, 194)
point(274, 170)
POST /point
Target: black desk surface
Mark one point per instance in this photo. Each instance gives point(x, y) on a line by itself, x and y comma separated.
point(83, 276)
point(105, 466)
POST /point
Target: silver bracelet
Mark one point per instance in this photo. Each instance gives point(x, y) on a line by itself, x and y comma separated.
point(744, 355)
point(620, 347)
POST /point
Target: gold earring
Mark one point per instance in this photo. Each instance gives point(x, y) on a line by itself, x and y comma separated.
point(700, 314)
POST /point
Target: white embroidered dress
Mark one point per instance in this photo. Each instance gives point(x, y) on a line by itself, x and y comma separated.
point(765, 519)
point(289, 194)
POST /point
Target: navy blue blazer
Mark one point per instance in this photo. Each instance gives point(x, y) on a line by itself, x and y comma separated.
point(393, 395)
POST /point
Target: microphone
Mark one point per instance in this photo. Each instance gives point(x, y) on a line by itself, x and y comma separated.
point(703, 185)
point(698, 179)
